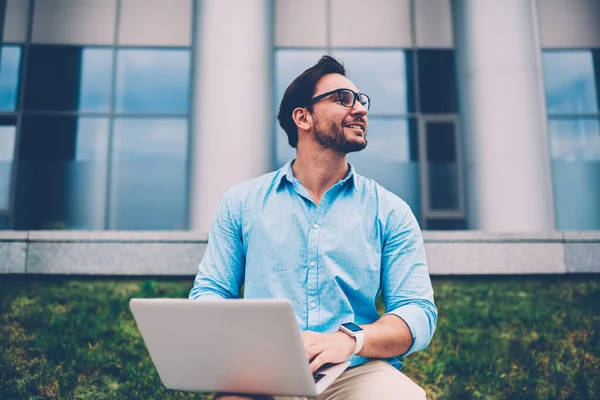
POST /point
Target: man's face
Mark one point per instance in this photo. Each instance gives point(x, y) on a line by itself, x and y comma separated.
point(337, 127)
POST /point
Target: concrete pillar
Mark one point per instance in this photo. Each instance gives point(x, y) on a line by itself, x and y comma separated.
point(233, 115)
point(503, 111)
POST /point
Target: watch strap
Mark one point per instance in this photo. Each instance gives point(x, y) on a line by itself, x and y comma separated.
point(360, 339)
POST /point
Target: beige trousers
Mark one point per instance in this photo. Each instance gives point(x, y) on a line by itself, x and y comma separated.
point(375, 380)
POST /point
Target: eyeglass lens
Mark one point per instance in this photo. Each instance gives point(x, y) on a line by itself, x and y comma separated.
point(347, 98)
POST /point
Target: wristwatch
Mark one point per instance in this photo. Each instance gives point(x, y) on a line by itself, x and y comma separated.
point(356, 332)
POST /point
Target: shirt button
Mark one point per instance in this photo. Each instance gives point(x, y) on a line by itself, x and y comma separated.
point(312, 263)
point(313, 305)
point(316, 226)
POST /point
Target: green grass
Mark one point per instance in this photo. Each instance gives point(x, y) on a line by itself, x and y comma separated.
point(497, 338)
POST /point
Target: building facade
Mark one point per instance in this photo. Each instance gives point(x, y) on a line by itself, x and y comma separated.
point(139, 114)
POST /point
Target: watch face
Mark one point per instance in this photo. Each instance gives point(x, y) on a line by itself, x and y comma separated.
point(352, 327)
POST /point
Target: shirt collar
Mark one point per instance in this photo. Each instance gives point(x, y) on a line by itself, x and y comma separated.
point(286, 173)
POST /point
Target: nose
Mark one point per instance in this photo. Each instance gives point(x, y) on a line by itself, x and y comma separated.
point(358, 109)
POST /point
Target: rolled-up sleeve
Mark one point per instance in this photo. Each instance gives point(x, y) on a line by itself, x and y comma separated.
point(406, 285)
point(221, 271)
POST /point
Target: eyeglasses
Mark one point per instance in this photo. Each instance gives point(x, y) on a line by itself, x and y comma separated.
point(346, 97)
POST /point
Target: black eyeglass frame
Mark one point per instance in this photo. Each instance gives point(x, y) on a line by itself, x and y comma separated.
point(339, 93)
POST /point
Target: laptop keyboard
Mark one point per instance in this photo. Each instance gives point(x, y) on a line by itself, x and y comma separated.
point(318, 376)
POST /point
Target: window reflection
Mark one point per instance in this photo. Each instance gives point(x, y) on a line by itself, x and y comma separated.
point(385, 75)
point(575, 149)
point(7, 148)
point(96, 74)
point(388, 158)
point(574, 139)
point(283, 151)
point(437, 82)
point(9, 77)
point(442, 166)
point(149, 174)
point(569, 82)
point(288, 65)
point(62, 173)
point(152, 81)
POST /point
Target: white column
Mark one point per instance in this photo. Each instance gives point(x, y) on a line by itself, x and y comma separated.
point(503, 113)
point(233, 115)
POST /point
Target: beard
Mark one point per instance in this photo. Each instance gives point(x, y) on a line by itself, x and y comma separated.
point(333, 137)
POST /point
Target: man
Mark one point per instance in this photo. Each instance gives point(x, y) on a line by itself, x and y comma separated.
point(330, 241)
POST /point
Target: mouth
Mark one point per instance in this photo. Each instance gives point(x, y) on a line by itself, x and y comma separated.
point(359, 127)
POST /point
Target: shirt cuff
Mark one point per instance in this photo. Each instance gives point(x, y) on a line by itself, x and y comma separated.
point(418, 323)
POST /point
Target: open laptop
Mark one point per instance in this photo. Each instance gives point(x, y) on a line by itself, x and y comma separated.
point(234, 346)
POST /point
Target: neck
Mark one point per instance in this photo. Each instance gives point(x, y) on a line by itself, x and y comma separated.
point(319, 171)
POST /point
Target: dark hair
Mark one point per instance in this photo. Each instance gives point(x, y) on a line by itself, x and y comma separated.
point(301, 90)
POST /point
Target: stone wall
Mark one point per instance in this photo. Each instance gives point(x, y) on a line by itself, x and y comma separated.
point(178, 253)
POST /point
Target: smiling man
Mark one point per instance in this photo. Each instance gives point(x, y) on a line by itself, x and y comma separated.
point(331, 241)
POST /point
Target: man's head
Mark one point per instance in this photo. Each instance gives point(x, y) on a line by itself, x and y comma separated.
point(323, 103)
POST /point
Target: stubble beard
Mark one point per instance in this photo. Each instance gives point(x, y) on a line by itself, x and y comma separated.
point(333, 138)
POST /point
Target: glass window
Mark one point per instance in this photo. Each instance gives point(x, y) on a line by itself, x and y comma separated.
point(388, 160)
point(96, 74)
point(384, 75)
point(442, 166)
point(9, 77)
point(62, 173)
point(574, 139)
point(149, 174)
point(155, 23)
point(74, 22)
point(288, 65)
point(437, 82)
point(68, 78)
point(3, 223)
point(151, 81)
point(283, 151)
point(7, 148)
point(575, 148)
point(569, 82)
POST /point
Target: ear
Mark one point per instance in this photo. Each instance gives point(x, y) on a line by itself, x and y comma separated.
point(302, 118)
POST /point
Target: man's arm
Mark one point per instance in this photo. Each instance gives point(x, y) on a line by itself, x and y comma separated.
point(405, 283)
point(411, 315)
point(221, 271)
point(388, 337)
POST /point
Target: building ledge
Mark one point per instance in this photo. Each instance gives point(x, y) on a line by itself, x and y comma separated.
point(179, 252)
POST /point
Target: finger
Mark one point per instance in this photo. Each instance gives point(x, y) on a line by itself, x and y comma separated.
point(313, 351)
point(317, 362)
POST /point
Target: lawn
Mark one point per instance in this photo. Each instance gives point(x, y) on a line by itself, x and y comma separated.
point(497, 338)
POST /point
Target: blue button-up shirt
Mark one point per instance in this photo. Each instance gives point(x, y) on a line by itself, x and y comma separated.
point(330, 260)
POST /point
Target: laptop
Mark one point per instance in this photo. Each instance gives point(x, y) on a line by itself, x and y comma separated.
point(233, 346)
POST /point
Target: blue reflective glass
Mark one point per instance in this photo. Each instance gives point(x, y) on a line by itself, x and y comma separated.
point(149, 174)
point(88, 175)
point(283, 151)
point(96, 73)
point(575, 150)
point(7, 148)
point(9, 77)
point(574, 139)
point(288, 65)
point(389, 158)
point(153, 81)
point(67, 78)
point(384, 75)
point(62, 172)
point(569, 82)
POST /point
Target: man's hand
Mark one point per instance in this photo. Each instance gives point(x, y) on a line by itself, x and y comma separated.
point(324, 348)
